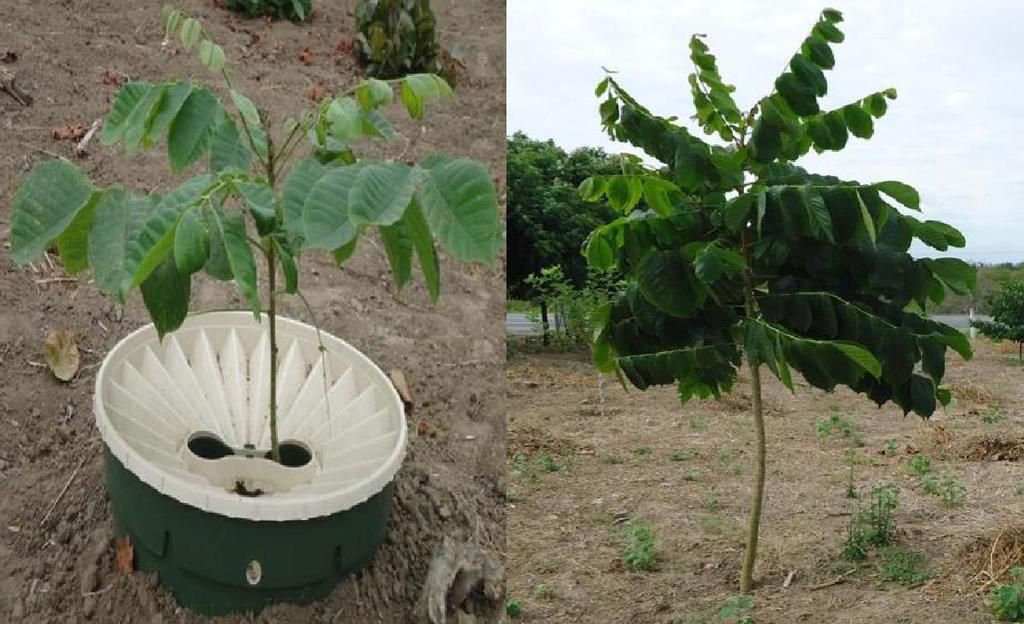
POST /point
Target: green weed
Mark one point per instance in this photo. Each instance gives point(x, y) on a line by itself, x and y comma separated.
point(919, 465)
point(873, 525)
point(948, 489)
point(1007, 601)
point(638, 549)
point(902, 566)
point(544, 591)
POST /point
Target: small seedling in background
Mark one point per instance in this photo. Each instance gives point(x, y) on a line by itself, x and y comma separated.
point(641, 450)
point(691, 474)
point(698, 425)
point(1019, 490)
point(638, 549)
point(512, 497)
point(851, 489)
point(543, 592)
point(919, 465)
point(679, 455)
point(949, 490)
point(902, 566)
point(991, 416)
point(512, 608)
point(890, 446)
point(610, 459)
point(873, 525)
point(1007, 601)
point(547, 567)
point(712, 502)
point(735, 610)
point(835, 424)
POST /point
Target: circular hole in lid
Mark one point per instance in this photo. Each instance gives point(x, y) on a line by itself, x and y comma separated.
point(294, 454)
point(208, 446)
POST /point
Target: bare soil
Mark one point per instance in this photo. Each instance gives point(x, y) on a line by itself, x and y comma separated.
point(452, 483)
point(581, 469)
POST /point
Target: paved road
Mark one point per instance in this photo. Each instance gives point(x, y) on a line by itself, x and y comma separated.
point(519, 324)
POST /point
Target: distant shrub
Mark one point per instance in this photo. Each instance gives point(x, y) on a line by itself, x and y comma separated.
point(294, 10)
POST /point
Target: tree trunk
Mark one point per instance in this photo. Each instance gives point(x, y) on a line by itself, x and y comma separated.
point(544, 322)
point(750, 556)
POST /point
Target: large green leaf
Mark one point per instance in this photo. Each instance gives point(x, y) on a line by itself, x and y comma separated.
point(156, 238)
point(262, 204)
point(128, 98)
point(188, 139)
point(423, 243)
point(399, 248)
point(231, 229)
point(326, 221)
point(166, 294)
point(382, 192)
point(227, 151)
point(118, 220)
point(136, 127)
point(903, 193)
point(191, 242)
point(667, 281)
point(173, 97)
point(303, 177)
point(73, 243)
point(461, 206)
point(46, 203)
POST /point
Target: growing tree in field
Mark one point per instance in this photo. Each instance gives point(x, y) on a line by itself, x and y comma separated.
point(1006, 306)
point(740, 252)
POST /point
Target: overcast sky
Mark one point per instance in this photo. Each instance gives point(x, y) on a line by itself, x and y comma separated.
point(954, 133)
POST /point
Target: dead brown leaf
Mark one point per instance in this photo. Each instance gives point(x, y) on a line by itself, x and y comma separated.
point(69, 132)
point(114, 79)
point(346, 45)
point(317, 91)
point(306, 56)
point(61, 354)
point(7, 55)
point(124, 554)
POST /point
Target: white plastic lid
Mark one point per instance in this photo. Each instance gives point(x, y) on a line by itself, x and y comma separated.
point(213, 375)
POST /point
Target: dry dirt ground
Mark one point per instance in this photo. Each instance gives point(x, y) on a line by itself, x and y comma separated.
point(452, 483)
point(582, 469)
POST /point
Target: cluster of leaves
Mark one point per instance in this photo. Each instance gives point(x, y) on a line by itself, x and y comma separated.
point(638, 550)
point(1006, 306)
point(836, 424)
point(825, 261)
point(399, 37)
point(547, 220)
point(1007, 600)
point(873, 525)
point(294, 10)
point(159, 241)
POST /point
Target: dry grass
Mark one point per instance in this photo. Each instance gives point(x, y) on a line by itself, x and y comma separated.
point(986, 561)
point(970, 392)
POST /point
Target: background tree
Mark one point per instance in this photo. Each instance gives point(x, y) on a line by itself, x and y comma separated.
point(1006, 306)
point(738, 251)
point(547, 220)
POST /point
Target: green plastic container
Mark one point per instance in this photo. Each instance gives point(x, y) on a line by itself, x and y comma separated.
point(225, 529)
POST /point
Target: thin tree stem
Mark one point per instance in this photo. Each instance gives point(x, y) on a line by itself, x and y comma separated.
point(750, 556)
point(271, 252)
